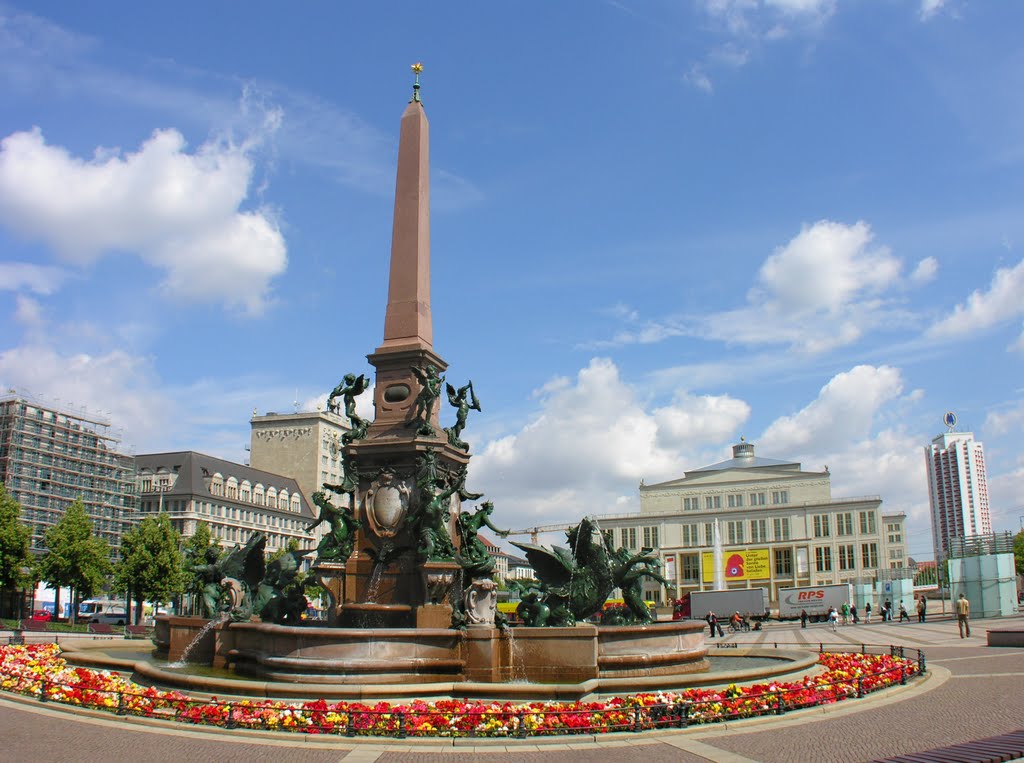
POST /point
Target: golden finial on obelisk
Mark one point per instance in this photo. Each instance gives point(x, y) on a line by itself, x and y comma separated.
point(416, 69)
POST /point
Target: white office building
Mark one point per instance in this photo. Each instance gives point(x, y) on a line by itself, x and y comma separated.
point(957, 489)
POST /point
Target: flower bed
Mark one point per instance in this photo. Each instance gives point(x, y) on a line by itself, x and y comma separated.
point(39, 671)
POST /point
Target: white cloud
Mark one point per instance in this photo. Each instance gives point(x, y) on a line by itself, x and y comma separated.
point(28, 312)
point(925, 270)
point(41, 279)
point(930, 7)
point(824, 268)
point(698, 77)
point(590, 443)
point(1003, 301)
point(844, 411)
point(114, 385)
point(1005, 421)
point(177, 211)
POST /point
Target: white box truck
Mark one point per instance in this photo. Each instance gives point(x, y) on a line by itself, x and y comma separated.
point(750, 602)
point(816, 600)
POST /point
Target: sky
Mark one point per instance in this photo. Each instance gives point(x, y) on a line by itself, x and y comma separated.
point(657, 227)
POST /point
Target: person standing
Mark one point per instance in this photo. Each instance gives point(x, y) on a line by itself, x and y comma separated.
point(833, 618)
point(922, 608)
point(867, 613)
point(803, 618)
point(903, 613)
point(846, 613)
point(714, 625)
point(963, 614)
point(853, 614)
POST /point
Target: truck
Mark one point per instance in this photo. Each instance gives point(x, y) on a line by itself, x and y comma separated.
point(108, 611)
point(749, 602)
point(815, 600)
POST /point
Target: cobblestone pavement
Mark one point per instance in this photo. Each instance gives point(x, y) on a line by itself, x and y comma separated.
point(973, 692)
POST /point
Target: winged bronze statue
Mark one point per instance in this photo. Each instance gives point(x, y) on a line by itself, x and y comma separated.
point(574, 581)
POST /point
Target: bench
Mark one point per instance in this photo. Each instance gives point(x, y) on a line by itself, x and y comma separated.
point(991, 750)
point(101, 628)
point(1006, 637)
point(35, 626)
point(136, 631)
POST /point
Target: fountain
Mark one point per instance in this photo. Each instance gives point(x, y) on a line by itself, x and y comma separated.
point(411, 599)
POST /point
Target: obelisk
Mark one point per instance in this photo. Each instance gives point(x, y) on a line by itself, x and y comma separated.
point(408, 327)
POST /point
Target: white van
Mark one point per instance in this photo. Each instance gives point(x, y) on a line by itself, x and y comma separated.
point(109, 611)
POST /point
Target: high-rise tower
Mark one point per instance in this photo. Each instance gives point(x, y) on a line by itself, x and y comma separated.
point(957, 487)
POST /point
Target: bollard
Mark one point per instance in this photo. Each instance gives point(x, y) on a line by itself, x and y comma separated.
point(350, 729)
point(42, 694)
point(821, 648)
point(231, 723)
point(920, 661)
point(636, 718)
point(860, 687)
point(401, 726)
point(121, 710)
point(684, 714)
point(521, 725)
point(903, 675)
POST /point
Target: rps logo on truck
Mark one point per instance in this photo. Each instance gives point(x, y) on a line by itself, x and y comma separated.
point(808, 597)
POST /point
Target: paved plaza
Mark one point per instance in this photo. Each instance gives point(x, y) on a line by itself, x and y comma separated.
point(972, 691)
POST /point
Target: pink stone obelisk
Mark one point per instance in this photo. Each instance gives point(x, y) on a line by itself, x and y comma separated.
point(408, 327)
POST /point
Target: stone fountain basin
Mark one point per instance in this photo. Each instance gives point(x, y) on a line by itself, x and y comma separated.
point(483, 663)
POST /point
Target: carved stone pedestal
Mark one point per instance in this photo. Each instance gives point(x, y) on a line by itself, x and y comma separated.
point(481, 603)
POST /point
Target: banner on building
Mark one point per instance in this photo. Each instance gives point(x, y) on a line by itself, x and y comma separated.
point(751, 564)
point(670, 568)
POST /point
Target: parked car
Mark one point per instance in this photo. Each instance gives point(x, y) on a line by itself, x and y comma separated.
point(41, 615)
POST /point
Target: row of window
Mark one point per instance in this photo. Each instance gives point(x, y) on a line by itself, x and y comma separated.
point(735, 500)
point(844, 524)
point(628, 537)
point(782, 560)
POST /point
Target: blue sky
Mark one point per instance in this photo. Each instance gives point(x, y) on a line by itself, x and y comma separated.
point(657, 227)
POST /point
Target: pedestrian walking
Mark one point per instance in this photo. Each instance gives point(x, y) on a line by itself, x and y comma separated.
point(888, 610)
point(714, 625)
point(853, 614)
point(846, 613)
point(833, 618)
point(963, 614)
point(867, 613)
point(922, 609)
point(803, 618)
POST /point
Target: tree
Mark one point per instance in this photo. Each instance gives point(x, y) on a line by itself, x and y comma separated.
point(151, 565)
point(74, 557)
point(196, 548)
point(1018, 552)
point(15, 553)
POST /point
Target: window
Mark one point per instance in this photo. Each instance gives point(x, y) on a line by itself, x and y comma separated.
point(844, 523)
point(736, 501)
point(690, 535)
point(758, 499)
point(758, 530)
point(709, 534)
point(781, 528)
point(847, 557)
point(734, 532)
point(691, 504)
point(629, 537)
point(690, 566)
point(867, 523)
point(821, 526)
point(783, 561)
point(713, 502)
point(869, 555)
point(895, 553)
point(780, 496)
point(651, 537)
point(823, 559)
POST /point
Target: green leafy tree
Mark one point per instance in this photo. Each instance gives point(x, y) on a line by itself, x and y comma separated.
point(15, 553)
point(1018, 552)
point(196, 548)
point(151, 565)
point(75, 558)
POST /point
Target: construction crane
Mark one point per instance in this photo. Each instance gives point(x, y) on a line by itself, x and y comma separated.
point(534, 532)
